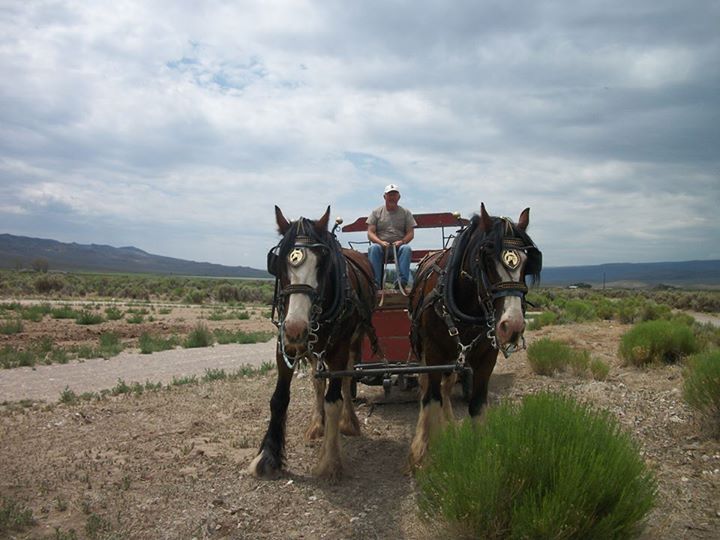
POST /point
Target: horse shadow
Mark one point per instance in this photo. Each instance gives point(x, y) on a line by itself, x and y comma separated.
point(377, 482)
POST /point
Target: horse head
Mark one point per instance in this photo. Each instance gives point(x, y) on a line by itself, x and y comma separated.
point(500, 255)
point(506, 255)
point(302, 264)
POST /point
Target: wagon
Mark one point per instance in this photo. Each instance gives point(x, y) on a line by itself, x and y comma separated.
point(391, 321)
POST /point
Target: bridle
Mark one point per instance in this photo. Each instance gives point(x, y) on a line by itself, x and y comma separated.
point(479, 255)
point(470, 257)
point(292, 248)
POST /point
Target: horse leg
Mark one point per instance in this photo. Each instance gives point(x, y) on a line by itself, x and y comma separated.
point(482, 370)
point(448, 383)
point(317, 421)
point(431, 419)
point(349, 423)
point(269, 461)
point(330, 464)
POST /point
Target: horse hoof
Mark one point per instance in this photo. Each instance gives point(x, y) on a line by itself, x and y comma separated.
point(351, 428)
point(262, 467)
point(315, 431)
point(331, 474)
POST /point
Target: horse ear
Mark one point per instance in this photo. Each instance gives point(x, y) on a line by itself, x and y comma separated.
point(322, 223)
point(524, 220)
point(282, 223)
point(486, 219)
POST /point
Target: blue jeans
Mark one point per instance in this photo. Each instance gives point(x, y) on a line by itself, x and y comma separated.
point(376, 254)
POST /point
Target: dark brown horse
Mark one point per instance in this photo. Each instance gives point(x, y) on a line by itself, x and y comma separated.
point(324, 297)
point(468, 304)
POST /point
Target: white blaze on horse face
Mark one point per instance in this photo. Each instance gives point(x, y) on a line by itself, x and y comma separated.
point(511, 324)
point(297, 317)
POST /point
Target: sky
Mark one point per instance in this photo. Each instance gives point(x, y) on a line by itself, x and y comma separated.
point(176, 126)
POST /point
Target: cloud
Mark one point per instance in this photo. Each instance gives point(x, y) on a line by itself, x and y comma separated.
point(177, 127)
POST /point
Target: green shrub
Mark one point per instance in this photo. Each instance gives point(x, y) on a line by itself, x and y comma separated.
point(227, 293)
point(14, 516)
point(68, 397)
point(14, 326)
point(545, 318)
point(35, 313)
point(87, 351)
point(224, 337)
point(150, 344)
point(599, 369)
point(110, 345)
point(546, 468)
point(701, 388)
point(11, 357)
point(200, 336)
point(579, 362)
point(547, 356)
point(184, 381)
point(651, 311)
point(627, 310)
point(578, 311)
point(604, 308)
point(195, 297)
point(120, 388)
point(656, 341)
point(64, 312)
point(58, 356)
point(113, 313)
point(214, 375)
point(47, 284)
point(88, 317)
point(707, 335)
point(135, 318)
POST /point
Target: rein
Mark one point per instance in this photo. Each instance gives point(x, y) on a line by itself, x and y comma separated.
point(468, 258)
point(331, 301)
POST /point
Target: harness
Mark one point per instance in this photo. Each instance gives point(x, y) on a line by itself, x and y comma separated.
point(333, 301)
point(467, 259)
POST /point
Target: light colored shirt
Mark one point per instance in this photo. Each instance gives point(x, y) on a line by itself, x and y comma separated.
point(391, 226)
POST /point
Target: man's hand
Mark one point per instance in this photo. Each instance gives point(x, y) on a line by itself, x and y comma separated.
point(398, 243)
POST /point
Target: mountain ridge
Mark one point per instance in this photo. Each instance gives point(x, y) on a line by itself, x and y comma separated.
point(70, 256)
point(22, 251)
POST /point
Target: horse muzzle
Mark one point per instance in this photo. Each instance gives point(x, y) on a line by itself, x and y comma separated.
point(510, 331)
point(295, 338)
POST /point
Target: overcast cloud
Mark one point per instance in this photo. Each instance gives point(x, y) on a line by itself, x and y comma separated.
point(176, 126)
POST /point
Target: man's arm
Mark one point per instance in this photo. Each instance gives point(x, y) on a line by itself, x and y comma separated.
point(374, 238)
point(407, 238)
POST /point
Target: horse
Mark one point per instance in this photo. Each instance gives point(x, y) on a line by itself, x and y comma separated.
point(324, 298)
point(468, 303)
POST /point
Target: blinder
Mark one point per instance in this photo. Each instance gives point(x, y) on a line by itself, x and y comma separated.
point(272, 261)
point(295, 257)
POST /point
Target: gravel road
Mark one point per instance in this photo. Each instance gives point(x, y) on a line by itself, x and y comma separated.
point(46, 382)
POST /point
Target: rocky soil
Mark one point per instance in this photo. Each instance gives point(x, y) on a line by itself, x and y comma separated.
point(170, 463)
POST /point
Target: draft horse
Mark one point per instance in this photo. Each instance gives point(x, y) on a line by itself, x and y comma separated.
point(324, 298)
point(468, 304)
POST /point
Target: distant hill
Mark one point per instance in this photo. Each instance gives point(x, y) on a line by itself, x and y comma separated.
point(681, 274)
point(22, 251)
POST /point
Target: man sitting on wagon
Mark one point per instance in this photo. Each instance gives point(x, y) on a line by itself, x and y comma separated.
point(391, 225)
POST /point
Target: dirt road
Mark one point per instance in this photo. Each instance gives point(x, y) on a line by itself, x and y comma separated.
point(46, 382)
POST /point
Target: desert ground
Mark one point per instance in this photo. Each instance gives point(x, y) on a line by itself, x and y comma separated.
point(171, 463)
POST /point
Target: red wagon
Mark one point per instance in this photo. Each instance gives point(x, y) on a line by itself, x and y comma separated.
point(391, 320)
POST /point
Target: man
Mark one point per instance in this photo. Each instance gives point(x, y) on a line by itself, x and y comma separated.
point(389, 225)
